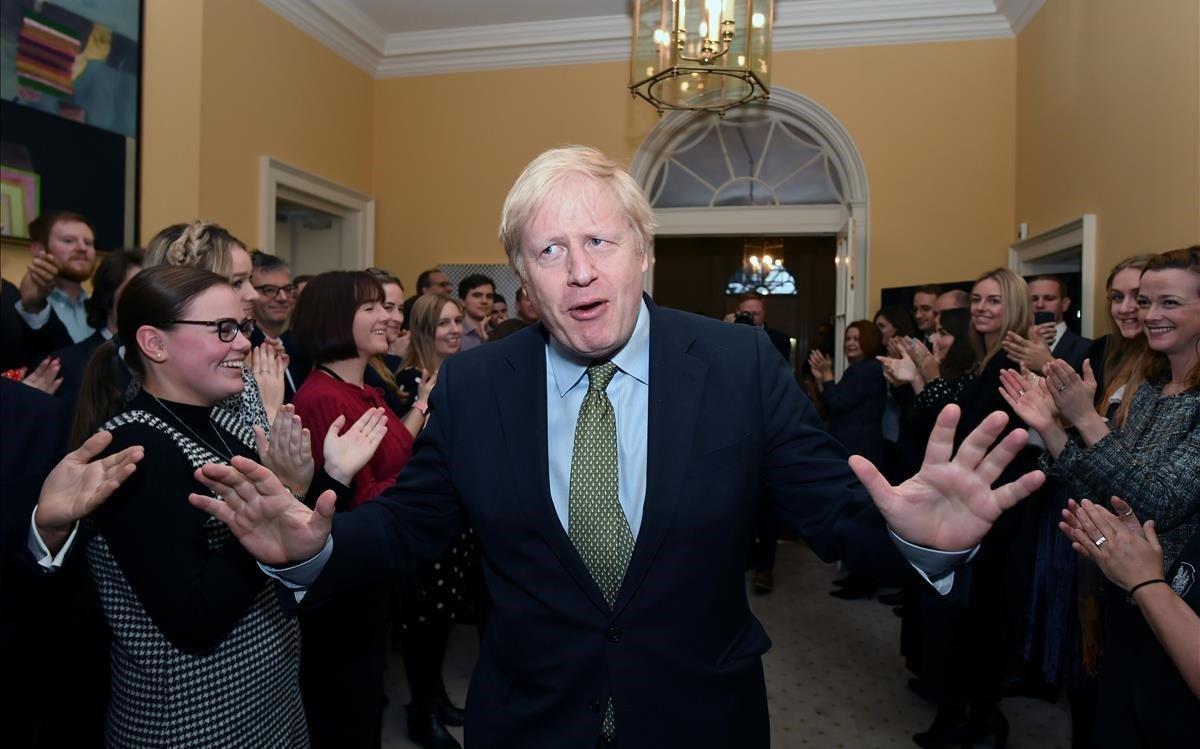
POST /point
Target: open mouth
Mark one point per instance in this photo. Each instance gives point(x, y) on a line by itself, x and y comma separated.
point(1159, 329)
point(234, 364)
point(588, 310)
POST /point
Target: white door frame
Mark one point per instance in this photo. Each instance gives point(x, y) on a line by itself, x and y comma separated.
point(774, 220)
point(1035, 255)
point(357, 211)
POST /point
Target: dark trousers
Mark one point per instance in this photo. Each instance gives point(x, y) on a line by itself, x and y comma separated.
point(341, 668)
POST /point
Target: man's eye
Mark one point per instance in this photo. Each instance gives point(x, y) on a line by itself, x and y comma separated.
point(595, 242)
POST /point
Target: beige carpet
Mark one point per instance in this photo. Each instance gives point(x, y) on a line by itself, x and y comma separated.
point(835, 679)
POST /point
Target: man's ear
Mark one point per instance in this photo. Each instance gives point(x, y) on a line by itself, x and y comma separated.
point(1066, 303)
point(152, 343)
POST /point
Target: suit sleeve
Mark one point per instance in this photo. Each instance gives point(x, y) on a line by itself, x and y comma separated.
point(808, 478)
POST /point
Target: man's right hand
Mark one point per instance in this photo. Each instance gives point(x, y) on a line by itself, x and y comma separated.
point(275, 527)
point(38, 281)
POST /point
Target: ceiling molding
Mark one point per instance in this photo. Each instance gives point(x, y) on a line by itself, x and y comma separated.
point(344, 28)
point(1019, 12)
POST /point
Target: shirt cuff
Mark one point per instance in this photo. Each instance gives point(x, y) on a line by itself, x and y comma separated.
point(298, 577)
point(34, 321)
point(38, 549)
point(935, 566)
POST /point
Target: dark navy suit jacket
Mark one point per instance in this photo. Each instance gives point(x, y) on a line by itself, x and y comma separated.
point(680, 652)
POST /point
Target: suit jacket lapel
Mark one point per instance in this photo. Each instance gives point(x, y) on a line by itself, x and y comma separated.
point(676, 385)
point(520, 389)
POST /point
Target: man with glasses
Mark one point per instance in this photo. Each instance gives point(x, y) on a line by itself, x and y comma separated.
point(272, 279)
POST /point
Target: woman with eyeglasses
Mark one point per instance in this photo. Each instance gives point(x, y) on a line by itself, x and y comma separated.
point(201, 653)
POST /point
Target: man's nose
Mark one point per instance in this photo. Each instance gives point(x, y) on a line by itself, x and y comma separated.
point(580, 270)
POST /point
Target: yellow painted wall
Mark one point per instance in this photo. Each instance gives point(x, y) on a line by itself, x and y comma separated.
point(933, 122)
point(270, 89)
point(1108, 122)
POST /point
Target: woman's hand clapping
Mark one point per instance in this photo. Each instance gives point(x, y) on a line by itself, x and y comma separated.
point(346, 453)
point(288, 452)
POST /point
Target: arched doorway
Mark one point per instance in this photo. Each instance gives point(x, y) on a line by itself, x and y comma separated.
point(783, 168)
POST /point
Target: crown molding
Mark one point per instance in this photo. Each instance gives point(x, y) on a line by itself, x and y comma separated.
point(1019, 12)
point(309, 18)
point(345, 29)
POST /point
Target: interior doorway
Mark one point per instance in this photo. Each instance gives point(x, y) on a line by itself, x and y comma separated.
point(310, 240)
point(324, 225)
point(691, 274)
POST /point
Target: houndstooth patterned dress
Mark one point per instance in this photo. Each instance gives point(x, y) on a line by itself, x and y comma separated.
point(242, 693)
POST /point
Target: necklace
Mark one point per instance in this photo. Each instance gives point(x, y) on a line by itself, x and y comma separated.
point(202, 441)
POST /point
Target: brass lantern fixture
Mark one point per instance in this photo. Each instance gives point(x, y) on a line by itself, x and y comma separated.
point(701, 55)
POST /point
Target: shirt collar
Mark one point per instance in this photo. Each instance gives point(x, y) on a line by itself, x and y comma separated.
point(64, 298)
point(633, 358)
point(1059, 329)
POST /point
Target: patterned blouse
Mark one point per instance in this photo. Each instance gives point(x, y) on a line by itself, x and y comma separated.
point(1153, 463)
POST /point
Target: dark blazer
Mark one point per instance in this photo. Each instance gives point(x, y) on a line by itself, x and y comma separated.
point(855, 406)
point(781, 341)
point(1072, 349)
point(73, 360)
point(22, 346)
point(298, 364)
point(680, 652)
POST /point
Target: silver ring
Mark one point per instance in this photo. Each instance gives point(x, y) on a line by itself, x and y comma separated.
point(1062, 388)
point(1127, 513)
point(1100, 541)
point(1021, 394)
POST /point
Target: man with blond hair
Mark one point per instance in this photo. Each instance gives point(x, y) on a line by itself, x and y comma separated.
point(614, 524)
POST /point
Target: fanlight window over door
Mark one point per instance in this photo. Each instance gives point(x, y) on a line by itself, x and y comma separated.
point(756, 156)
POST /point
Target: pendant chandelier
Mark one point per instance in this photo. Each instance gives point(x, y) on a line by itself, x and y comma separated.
point(701, 55)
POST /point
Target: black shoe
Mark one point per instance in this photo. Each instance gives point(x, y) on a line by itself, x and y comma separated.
point(854, 592)
point(921, 689)
point(891, 599)
point(988, 723)
point(426, 730)
point(764, 582)
point(949, 729)
point(450, 714)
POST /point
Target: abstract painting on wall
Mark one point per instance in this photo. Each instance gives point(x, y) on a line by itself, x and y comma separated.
point(78, 61)
point(74, 58)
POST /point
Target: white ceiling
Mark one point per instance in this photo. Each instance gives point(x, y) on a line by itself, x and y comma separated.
point(389, 38)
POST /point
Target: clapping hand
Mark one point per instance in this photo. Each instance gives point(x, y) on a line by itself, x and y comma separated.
point(45, 376)
point(926, 363)
point(1032, 352)
point(1074, 396)
point(900, 370)
point(1127, 552)
point(268, 370)
point(288, 451)
point(38, 281)
point(822, 366)
point(275, 527)
point(79, 484)
point(950, 504)
point(347, 453)
point(1029, 398)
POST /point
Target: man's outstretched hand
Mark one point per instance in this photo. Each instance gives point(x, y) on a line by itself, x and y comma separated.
point(950, 504)
point(275, 527)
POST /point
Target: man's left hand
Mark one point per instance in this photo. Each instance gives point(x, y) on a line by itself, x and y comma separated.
point(950, 504)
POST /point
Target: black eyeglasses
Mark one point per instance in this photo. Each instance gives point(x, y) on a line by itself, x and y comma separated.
point(227, 327)
point(271, 290)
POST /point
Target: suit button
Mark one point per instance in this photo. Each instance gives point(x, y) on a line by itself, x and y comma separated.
point(595, 705)
point(614, 634)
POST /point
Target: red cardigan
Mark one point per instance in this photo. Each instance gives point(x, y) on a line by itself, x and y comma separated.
point(322, 398)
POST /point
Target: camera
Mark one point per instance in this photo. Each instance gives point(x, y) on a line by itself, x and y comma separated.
point(744, 318)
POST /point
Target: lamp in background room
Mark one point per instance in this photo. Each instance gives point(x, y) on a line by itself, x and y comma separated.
point(701, 55)
point(762, 270)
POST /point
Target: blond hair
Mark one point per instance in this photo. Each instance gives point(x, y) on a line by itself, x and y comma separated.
point(548, 172)
point(426, 313)
point(200, 244)
point(1018, 309)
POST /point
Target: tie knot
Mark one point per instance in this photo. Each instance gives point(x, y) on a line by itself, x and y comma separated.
point(600, 374)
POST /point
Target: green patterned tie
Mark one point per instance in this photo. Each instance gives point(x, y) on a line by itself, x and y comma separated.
point(597, 524)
